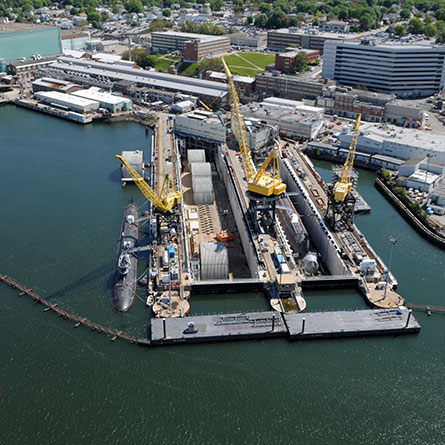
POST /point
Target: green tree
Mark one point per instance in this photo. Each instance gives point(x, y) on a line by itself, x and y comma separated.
point(166, 12)
point(300, 62)
point(427, 20)
point(216, 5)
point(366, 22)
point(261, 20)
point(249, 20)
point(134, 6)
point(400, 30)
point(430, 30)
point(405, 13)
point(415, 26)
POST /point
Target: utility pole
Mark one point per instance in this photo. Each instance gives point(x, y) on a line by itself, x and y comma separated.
point(393, 242)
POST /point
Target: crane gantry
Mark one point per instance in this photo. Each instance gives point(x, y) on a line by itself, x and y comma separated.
point(165, 200)
point(341, 203)
point(344, 185)
point(258, 181)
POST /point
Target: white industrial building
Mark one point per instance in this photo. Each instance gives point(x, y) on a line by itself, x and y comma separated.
point(290, 122)
point(110, 102)
point(396, 142)
point(295, 105)
point(394, 68)
point(419, 174)
point(68, 101)
point(202, 125)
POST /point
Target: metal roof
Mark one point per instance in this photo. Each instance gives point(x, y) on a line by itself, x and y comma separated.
point(140, 77)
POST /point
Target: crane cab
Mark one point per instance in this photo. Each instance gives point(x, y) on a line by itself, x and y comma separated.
point(341, 190)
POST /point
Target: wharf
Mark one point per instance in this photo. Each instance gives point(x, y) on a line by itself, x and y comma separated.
point(299, 326)
point(350, 323)
point(227, 286)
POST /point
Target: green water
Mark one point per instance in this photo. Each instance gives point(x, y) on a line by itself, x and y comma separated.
point(61, 207)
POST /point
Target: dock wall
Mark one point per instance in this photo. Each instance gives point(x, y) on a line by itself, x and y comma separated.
point(409, 215)
point(319, 233)
point(223, 169)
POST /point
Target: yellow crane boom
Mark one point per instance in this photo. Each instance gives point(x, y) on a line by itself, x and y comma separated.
point(344, 185)
point(168, 196)
point(259, 181)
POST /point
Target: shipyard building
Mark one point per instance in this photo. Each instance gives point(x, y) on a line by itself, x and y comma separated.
point(402, 69)
point(24, 40)
point(396, 142)
point(108, 75)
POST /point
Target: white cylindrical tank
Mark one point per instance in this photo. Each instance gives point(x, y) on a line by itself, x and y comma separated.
point(196, 156)
point(214, 258)
point(202, 190)
point(310, 263)
point(200, 169)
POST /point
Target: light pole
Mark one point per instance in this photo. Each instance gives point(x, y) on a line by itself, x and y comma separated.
point(393, 242)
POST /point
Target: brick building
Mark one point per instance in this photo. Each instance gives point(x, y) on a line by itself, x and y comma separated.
point(193, 47)
point(284, 62)
point(290, 87)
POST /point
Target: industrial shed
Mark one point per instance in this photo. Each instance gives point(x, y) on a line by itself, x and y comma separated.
point(69, 101)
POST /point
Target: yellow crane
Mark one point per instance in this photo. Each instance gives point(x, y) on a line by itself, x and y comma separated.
point(209, 106)
point(344, 185)
point(168, 196)
point(258, 182)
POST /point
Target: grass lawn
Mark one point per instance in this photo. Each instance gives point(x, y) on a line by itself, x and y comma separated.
point(234, 60)
point(163, 62)
point(245, 71)
point(259, 59)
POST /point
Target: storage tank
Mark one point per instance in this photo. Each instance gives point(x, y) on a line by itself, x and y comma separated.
point(310, 263)
point(214, 259)
point(196, 156)
point(201, 169)
point(202, 190)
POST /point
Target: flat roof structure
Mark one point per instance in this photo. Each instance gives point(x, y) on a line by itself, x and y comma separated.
point(6, 28)
point(189, 35)
point(152, 79)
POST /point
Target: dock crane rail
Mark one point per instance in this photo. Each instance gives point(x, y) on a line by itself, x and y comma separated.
point(258, 182)
point(168, 197)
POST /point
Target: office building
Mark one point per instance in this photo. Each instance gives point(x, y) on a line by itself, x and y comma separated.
point(402, 69)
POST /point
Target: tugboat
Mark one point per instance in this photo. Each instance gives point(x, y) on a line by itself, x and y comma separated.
point(126, 269)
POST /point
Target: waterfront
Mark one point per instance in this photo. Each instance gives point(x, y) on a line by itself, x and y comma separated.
point(62, 205)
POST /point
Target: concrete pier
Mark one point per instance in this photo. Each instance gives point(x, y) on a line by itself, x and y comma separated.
point(217, 327)
point(299, 326)
point(350, 323)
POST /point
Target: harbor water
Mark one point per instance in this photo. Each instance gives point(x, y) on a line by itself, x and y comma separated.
point(61, 209)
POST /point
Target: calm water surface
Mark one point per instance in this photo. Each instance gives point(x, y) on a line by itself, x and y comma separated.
point(61, 208)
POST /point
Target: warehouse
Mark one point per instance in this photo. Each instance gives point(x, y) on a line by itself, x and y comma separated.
point(87, 71)
point(22, 40)
point(67, 101)
point(201, 124)
point(108, 101)
point(291, 123)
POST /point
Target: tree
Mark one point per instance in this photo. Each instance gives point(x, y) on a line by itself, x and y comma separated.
point(366, 22)
point(430, 30)
point(415, 26)
point(261, 20)
point(405, 13)
point(300, 62)
point(400, 30)
point(142, 57)
point(427, 20)
point(249, 20)
point(134, 6)
point(216, 5)
point(166, 12)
